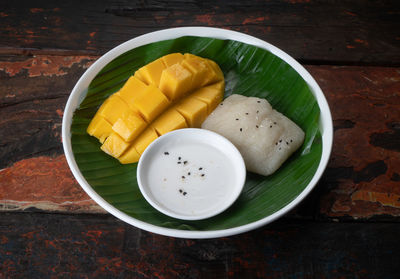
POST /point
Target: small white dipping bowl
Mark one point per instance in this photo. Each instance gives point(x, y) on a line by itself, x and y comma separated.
point(191, 174)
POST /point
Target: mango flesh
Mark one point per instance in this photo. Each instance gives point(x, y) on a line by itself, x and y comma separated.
point(169, 121)
point(114, 145)
point(99, 128)
point(133, 89)
point(194, 111)
point(129, 126)
point(151, 103)
point(175, 81)
point(173, 92)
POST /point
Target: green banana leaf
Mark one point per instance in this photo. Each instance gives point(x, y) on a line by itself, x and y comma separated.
point(248, 70)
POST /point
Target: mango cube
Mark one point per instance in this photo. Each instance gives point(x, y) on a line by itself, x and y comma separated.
point(145, 138)
point(152, 103)
point(139, 76)
point(130, 126)
point(198, 68)
point(212, 97)
point(99, 128)
point(193, 110)
point(151, 73)
point(169, 121)
point(214, 73)
point(132, 90)
point(114, 145)
point(172, 59)
point(113, 108)
point(175, 81)
point(130, 156)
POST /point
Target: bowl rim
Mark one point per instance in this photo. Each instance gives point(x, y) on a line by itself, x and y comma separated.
point(80, 89)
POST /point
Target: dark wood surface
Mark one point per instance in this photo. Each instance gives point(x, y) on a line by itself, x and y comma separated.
point(347, 227)
point(86, 246)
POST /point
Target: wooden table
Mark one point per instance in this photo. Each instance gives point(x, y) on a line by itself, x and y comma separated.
point(347, 228)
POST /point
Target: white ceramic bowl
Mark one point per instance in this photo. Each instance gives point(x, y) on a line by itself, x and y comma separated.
point(80, 89)
point(170, 178)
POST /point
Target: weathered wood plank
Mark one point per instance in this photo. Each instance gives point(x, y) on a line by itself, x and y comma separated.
point(83, 246)
point(33, 93)
point(360, 182)
point(313, 31)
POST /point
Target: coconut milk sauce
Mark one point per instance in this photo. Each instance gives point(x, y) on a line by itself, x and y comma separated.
point(190, 178)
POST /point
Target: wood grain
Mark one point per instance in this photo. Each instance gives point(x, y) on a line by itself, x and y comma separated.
point(315, 32)
point(33, 93)
point(91, 246)
point(361, 180)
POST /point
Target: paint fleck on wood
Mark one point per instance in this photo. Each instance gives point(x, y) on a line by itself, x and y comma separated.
point(385, 199)
point(43, 183)
point(365, 105)
point(44, 65)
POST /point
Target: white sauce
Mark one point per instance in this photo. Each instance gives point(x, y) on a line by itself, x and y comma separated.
point(201, 182)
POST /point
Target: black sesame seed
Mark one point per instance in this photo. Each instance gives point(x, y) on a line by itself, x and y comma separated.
point(241, 129)
point(185, 162)
point(276, 143)
point(256, 126)
point(200, 168)
point(270, 126)
point(280, 148)
point(184, 193)
point(179, 158)
point(258, 111)
point(275, 123)
point(258, 101)
point(247, 113)
point(291, 140)
point(237, 119)
point(188, 173)
point(221, 104)
point(287, 143)
point(180, 191)
point(179, 163)
point(183, 177)
point(280, 140)
point(166, 153)
point(202, 174)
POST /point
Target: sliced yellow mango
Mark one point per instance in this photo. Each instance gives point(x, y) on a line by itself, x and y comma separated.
point(139, 76)
point(151, 103)
point(172, 59)
point(113, 108)
point(169, 121)
point(198, 68)
point(214, 74)
point(131, 155)
point(151, 73)
point(114, 145)
point(209, 95)
point(131, 91)
point(145, 138)
point(193, 110)
point(130, 126)
point(173, 92)
point(99, 128)
point(175, 81)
